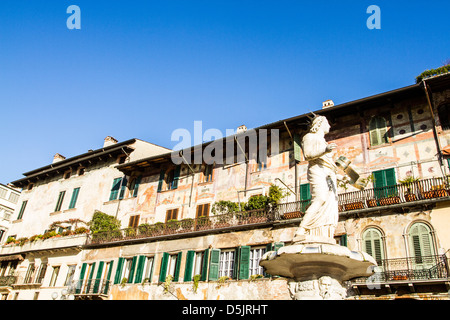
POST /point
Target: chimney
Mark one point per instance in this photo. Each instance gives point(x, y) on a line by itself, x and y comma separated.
point(241, 129)
point(57, 157)
point(328, 103)
point(109, 141)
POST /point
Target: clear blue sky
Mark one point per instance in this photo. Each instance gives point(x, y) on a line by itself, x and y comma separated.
point(141, 69)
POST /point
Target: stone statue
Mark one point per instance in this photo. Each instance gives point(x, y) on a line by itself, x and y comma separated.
point(321, 217)
point(325, 288)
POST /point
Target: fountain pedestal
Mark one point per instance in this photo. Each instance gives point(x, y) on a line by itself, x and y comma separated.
point(317, 269)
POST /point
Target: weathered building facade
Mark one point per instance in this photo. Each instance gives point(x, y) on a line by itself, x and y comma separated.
point(43, 245)
point(177, 247)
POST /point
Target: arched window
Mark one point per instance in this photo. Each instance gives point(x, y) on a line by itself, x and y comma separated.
point(373, 244)
point(421, 243)
point(378, 131)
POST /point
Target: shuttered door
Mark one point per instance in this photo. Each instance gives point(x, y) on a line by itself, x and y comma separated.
point(132, 270)
point(385, 183)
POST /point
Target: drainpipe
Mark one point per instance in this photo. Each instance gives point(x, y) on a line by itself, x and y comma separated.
point(436, 137)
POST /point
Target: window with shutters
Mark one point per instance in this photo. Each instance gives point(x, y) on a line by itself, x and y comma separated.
point(255, 256)
point(30, 273)
point(73, 200)
point(134, 186)
point(421, 243)
point(60, 200)
point(41, 273)
point(170, 265)
point(22, 209)
point(378, 131)
point(148, 269)
point(115, 189)
point(70, 274)
point(171, 214)
point(385, 183)
point(305, 196)
point(202, 210)
point(373, 244)
point(207, 173)
point(134, 221)
point(226, 263)
point(54, 277)
point(194, 264)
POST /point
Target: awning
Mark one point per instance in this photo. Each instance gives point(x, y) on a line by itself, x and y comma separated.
point(11, 258)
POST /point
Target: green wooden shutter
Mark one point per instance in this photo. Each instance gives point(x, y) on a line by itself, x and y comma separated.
point(123, 188)
point(132, 270)
point(80, 282)
point(385, 183)
point(297, 148)
point(119, 271)
point(115, 189)
point(205, 265)
point(305, 196)
point(74, 198)
point(60, 200)
point(140, 269)
point(176, 177)
point(214, 265)
point(373, 244)
point(107, 284)
point(136, 186)
point(163, 269)
point(244, 262)
point(98, 277)
point(189, 265)
point(344, 240)
point(83, 271)
point(421, 241)
point(91, 274)
point(161, 180)
point(176, 274)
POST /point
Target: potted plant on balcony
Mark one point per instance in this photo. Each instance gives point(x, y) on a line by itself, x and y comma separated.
point(390, 199)
point(344, 183)
point(186, 224)
point(408, 183)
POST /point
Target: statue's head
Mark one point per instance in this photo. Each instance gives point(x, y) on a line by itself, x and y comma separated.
point(320, 123)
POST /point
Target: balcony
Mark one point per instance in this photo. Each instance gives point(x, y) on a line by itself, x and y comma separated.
point(412, 274)
point(421, 192)
point(200, 225)
point(90, 289)
point(400, 195)
point(7, 281)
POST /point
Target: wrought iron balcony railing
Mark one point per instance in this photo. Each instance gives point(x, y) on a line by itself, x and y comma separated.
point(410, 269)
point(357, 200)
point(90, 287)
point(396, 194)
point(183, 226)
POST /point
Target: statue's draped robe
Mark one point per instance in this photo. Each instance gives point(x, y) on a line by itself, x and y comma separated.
point(321, 217)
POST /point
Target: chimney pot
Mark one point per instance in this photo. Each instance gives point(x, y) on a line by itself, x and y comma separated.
point(328, 103)
point(109, 141)
point(57, 157)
